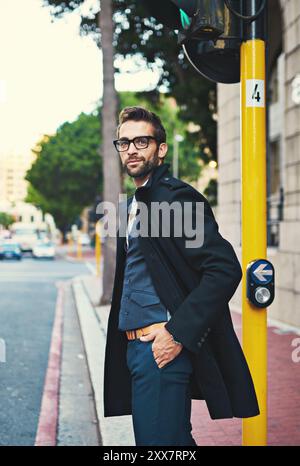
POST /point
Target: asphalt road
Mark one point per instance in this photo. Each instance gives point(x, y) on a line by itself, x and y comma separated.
point(28, 292)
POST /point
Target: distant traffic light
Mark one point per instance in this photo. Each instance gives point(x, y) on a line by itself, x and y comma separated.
point(209, 33)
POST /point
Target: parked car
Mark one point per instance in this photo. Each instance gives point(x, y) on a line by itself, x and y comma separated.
point(10, 250)
point(43, 249)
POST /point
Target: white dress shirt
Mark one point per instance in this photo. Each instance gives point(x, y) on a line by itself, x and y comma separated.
point(132, 214)
point(131, 218)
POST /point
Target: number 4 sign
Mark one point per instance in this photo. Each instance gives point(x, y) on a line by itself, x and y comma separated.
point(255, 93)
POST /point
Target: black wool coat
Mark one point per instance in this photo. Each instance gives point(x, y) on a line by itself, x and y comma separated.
point(195, 284)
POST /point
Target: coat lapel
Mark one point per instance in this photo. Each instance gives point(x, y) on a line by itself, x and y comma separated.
point(157, 173)
point(121, 239)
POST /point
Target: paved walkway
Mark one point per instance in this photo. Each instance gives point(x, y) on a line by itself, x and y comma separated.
point(283, 398)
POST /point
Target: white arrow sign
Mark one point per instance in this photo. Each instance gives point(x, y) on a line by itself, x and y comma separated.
point(260, 272)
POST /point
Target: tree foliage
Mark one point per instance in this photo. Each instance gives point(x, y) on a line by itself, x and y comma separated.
point(140, 36)
point(67, 173)
point(211, 192)
point(151, 45)
point(167, 110)
point(6, 219)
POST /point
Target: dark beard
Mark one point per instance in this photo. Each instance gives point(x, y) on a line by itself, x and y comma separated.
point(146, 168)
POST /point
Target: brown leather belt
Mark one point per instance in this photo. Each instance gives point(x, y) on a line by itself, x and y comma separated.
point(141, 332)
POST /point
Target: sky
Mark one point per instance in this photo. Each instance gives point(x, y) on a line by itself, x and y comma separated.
point(48, 74)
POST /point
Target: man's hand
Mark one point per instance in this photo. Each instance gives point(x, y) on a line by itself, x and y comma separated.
point(164, 349)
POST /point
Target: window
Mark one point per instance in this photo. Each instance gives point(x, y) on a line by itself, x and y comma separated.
point(274, 167)
point(274, 85)
point(275, 193)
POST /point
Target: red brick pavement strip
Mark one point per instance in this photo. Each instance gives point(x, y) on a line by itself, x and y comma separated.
point(48, 418)
point(88, 254)
point(283, 399)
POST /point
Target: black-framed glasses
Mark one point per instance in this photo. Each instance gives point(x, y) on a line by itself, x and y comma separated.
point(140, 142)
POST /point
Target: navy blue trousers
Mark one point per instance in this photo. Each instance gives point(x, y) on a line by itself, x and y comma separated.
point(161, 400)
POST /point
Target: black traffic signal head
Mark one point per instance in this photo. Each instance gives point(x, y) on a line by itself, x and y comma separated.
point(199, 19)
point(209, 33)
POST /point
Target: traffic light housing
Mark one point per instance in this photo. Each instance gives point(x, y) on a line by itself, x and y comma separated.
point(200, 20)
point(209, 33)
point(195, 19)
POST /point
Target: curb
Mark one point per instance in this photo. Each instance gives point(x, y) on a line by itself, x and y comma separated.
point(282, 327)
point(115, 431)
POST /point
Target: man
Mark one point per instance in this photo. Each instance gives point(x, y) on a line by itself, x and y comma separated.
point(170, 336)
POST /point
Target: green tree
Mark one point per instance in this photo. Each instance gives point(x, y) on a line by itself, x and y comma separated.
point(67, 173)
point(139, 36)
point(6, 219)
point(95, 22)
point(211, 192)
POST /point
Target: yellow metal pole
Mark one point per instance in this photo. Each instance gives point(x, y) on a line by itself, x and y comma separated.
point(254, 221)
point(79, 247)
point(70, 244)
point(98, 248)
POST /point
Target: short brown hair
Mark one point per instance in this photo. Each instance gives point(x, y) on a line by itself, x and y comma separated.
point(141, 114)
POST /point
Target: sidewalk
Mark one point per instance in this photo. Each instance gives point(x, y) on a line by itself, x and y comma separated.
point(283, 380)
point(71, 253)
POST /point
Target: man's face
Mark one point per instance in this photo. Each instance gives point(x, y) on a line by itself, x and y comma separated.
point(140, 162)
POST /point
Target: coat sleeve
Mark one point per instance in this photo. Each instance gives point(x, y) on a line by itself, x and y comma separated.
point(219, 275)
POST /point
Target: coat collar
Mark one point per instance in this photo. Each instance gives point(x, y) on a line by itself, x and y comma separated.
point(157, 173)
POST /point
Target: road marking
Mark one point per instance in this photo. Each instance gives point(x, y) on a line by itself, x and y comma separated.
point(91, 268)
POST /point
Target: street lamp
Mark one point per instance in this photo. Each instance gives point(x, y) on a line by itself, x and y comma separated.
point(177, 139)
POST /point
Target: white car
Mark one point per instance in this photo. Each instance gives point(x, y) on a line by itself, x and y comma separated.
point(84, 239)
point(44, 250)
point(26, 237)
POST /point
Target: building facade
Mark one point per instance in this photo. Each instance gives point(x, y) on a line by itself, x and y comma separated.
point(13, 168)
point(283, 161)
